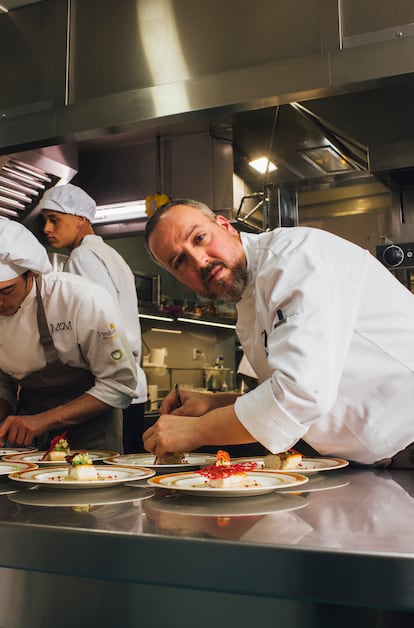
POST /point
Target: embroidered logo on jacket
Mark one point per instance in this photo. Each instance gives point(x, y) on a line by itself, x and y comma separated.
point(63, 326)
point(108, 334)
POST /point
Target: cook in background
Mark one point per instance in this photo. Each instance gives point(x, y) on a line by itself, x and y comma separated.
point(328, 330)
point(67, 211)
point(64, 360)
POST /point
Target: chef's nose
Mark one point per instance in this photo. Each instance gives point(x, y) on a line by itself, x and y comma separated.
point(199, 258)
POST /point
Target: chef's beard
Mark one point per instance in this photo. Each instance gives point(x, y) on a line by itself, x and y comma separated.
point(232, 289)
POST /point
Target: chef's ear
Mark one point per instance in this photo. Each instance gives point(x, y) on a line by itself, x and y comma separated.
point(226, 224)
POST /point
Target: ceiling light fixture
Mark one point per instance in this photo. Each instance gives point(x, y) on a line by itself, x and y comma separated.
point(262, 165)
point(114, 212)
point(155, 317)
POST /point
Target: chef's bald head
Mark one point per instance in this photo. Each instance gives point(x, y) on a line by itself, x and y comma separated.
point(20, 251)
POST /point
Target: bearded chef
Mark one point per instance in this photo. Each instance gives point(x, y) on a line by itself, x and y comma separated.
point(65, 364)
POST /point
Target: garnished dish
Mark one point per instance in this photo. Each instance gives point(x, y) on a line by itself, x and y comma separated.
point(189, 461)
point(224, 474)
point(58, 449)
point(226, 479)
point(170, 459)
point(58, 477)
point(284, 460)
point(81, 468)
point(37, 457)
point(306, 465)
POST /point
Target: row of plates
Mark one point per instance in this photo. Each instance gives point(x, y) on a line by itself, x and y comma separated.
point(28, 467)
point(192, 460)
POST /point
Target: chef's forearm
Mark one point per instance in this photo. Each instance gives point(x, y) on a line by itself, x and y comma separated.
point(222, 426)
point(73, 412)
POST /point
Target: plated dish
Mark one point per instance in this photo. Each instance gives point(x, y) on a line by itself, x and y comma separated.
point(195, 484)
point(58, 477)
point(9, 467)
point(35, 457)
point(306, 466)
point(82, 499)
point(194, 461)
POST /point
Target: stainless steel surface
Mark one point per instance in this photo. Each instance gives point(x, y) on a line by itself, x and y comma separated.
point(350, 545)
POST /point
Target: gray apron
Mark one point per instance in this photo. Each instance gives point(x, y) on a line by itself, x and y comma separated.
point(57, 383)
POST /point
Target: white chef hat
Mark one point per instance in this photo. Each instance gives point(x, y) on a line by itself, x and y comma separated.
point(20, 251)
point(69, 199)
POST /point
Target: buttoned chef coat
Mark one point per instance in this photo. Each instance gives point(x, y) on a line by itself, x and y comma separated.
point(330, 333)
point(103, 265)
point(86, 333)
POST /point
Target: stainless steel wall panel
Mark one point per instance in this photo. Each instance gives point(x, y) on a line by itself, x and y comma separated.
point(136, 44)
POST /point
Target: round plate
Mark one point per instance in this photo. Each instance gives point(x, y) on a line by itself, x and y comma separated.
point(6, 451)
point(194, 461)
point(81, 499)
point(9, 467)
point(307, 465)
point(58, 477)
point(194, 483)
point(36, 457)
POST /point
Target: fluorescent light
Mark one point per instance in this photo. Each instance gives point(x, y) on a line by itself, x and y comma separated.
point(167, 331)
point(263, 165)
point(130, 210)
point(208, 323)
point(2, 8)
point(155, 317)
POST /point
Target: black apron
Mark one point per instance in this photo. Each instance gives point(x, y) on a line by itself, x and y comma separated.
point(57, 383)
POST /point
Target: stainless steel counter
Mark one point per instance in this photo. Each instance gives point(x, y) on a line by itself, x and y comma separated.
point(339, 553)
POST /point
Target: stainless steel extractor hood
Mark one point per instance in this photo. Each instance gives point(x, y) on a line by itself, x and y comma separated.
point(25, 176)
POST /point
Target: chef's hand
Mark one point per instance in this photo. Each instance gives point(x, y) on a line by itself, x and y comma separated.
point(172, 434)
point(20, 430)
point(193, 403)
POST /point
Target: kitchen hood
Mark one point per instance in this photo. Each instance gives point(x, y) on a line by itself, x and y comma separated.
point(25, 176)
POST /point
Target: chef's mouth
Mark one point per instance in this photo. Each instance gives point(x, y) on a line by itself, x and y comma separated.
point(207, 274)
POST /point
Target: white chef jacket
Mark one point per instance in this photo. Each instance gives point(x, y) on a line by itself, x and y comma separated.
point(103, 265)
point(84, 323)
point(330, 333)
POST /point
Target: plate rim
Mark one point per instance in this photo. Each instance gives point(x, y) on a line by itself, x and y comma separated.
point(75, 484)
point(342, 464)
point(178, 465)
point(225, 492)
point(17, 457)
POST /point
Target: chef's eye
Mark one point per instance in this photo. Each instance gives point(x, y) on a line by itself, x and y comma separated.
point(199, 238)
point(178, 262)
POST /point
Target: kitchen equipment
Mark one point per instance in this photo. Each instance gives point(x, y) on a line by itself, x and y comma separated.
point(157, 356)
point(153, 397)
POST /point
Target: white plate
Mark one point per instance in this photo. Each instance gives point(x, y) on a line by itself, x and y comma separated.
point(147, 460)
point(307, 466)
point(182, 504)
point(81, 499)
point(58, 477)
point(36, 457)
point(194, 483)
point(9, 467)
point(6, 451)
